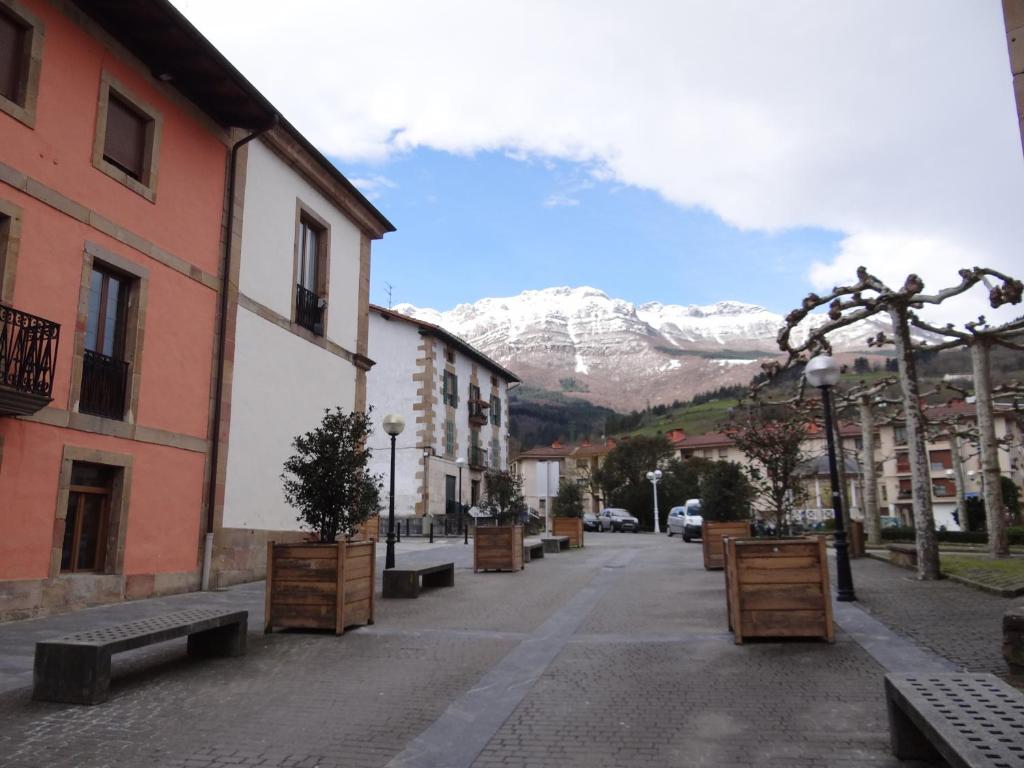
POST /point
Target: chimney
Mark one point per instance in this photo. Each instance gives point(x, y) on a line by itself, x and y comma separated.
point(675, 435)
point(557, 443)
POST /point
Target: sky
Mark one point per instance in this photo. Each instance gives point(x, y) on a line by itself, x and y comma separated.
point(682, 151)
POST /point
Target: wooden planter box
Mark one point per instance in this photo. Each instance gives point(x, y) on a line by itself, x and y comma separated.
point(711, 536)
point(498, 548)
point(568, 526)
point(320, 586)
point(778, 588)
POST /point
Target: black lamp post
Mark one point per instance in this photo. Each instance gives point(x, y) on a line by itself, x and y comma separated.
point(823, 372)
point(460, 463)
point(393, 425)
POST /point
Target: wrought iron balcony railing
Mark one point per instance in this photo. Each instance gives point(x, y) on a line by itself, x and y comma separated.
point(477, 457)
point(477, 412)
point(308, 312)
point(28, 354)
point(104, 384)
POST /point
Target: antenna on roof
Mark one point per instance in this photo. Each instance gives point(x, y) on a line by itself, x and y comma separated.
point(390, 286)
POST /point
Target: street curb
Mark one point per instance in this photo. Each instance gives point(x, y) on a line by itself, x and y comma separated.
point(998, 591)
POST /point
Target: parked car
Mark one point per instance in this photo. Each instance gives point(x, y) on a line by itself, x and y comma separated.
point(693, 522)
point(616, 519)
point(590, 522)
point(674, 523)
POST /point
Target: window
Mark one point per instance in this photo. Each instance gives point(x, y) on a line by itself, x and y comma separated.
point(449, 438)
point(885, 493)
point(310, 274)
point(474, 492)
point(450, 389)
point(104, 369)
point(495, 410)
point(494, 381)
point(496, 453)
point(723, 452)
point(86, 524)
point(449, 355)
point(900, 435)
point(6, 225)
point(127, 138)
point(940, 460)
point(21, 50)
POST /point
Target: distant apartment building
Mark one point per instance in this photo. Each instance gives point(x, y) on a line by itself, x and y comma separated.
point(544, 467)
point(112, 199)
point(297, 334)
point(454, 400)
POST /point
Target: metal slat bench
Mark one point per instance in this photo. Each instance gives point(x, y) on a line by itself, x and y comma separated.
point(555, 543)
point(76, 668)
point(407, 582)
point(533, 550)
point(966, 719)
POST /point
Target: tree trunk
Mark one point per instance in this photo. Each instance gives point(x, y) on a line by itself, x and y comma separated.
point(920, 467)
point(872, 520)
point(998, 546)
point(958, 478)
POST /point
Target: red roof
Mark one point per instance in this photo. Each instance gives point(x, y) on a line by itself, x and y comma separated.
point(707, 440)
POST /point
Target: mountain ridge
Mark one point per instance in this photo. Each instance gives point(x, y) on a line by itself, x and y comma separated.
point(625, 355)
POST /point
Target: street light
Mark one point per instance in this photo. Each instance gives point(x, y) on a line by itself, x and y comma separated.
point(460, 463)
point(823, 372)
point(655, 478)
point(393, 424)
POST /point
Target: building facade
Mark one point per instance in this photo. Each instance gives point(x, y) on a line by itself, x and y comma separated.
point(112, 198)
point(454, 400)
point(297, 334)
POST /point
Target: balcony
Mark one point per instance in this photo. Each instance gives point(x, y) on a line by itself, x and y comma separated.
point(28, 354)
point(477, 457)
point(308, 312)
point(104, 383)
point(478, 412)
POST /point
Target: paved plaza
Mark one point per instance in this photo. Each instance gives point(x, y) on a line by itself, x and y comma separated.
point(614, 655)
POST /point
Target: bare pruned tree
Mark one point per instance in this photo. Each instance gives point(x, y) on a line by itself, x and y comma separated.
point(869, 296)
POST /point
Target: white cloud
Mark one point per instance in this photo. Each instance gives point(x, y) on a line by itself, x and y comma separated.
point(560, 201)
point(891, 122)
point(373, 186)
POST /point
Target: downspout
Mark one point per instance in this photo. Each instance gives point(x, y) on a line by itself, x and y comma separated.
point(222, 324)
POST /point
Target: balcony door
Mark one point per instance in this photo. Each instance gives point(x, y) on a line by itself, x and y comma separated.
point(104, 369)
point(309, 290)
point(87, 520)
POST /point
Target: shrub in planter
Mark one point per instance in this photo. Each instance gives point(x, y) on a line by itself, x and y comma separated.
point(329, 583)
point(725, 506)
point(567, 509)
point(499, 547)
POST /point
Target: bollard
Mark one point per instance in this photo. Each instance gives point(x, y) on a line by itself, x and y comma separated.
point(431, 533)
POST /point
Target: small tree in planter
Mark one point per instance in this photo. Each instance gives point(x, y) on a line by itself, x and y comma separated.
point(567, 509)
point(726, 494)
point(499, 547)
point(326, 585)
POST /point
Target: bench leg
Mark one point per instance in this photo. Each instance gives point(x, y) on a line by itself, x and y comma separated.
point(905, 738)
point(72, 674)
point(229, 640)
point(400, 584)
point(439, 579)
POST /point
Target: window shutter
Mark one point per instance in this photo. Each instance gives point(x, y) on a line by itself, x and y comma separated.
point(12, 57)
point(125, 141)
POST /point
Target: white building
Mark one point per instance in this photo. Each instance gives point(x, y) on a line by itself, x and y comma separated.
point(454, 400)
point(298, 302)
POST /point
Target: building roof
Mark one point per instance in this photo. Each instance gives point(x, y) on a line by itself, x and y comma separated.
point(707, 440)
point(177, 53)
point(545, 452)
point(429, 329)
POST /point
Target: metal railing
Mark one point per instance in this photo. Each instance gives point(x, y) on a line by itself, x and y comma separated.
point(477, 457)
point(308, 313)
point(104, 384)
point(28, 351)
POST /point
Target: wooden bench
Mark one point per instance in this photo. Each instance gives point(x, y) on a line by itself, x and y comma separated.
point(407, 582)
point(533, 550)
point(903, 555)
point(966, 719)
point(555, 543)
point(76, 668)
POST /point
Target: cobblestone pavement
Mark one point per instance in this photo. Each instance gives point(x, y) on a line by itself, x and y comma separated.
point(615, 655)
point(955, 621)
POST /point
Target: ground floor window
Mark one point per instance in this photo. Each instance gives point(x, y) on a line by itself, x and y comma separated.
point(88, 517)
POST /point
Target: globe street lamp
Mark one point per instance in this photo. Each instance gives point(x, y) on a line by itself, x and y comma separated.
point(393, 424)
point(655, 478)
point(460, 463)
point(823, 372)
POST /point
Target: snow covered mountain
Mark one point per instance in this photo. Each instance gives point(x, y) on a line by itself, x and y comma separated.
point(617, 353)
